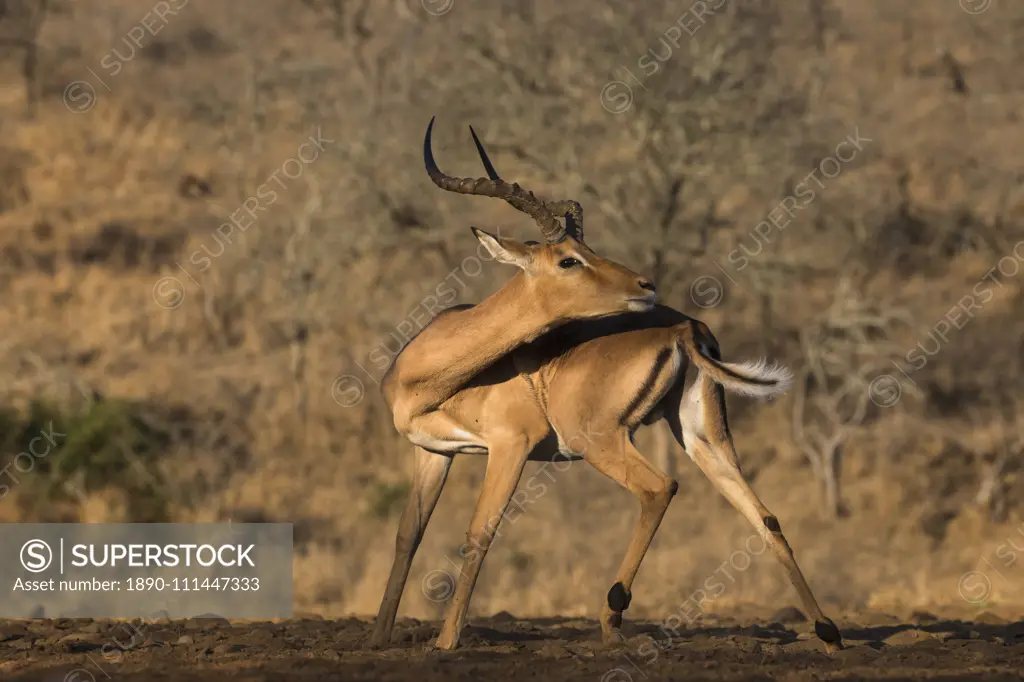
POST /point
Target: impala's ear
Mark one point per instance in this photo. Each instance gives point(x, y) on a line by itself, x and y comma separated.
point(503, 249)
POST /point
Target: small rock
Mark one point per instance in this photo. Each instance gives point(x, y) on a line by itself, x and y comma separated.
point(81, 641)
point(907, 637)
point(984, 648)
point(923, 617)
point(859, 653)
point(228, 648)
point(260, 635)
point(93, 627)
point(164, 636)
point(186, 639)
point(12, 631)
point(307, 615)
point(803, 644)
point(22, 644)
point(789, 614)
point(989, 618)
point(552, 650)
point(206, 623)
point(332, 655)
point(503, 617)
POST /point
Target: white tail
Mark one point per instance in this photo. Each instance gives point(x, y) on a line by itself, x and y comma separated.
point(755, 378)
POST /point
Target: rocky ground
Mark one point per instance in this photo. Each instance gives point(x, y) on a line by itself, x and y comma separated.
point(878, 646)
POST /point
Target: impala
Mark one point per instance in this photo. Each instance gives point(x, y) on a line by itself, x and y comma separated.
point(519, 375)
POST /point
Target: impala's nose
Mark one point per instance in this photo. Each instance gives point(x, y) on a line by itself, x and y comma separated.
point(648, 285)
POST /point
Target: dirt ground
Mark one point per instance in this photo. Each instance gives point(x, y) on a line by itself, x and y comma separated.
point(117, 177)
point(742, 647)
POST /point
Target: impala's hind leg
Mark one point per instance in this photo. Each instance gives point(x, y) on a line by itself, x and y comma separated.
point(703, 431)
point(615, 457)
point(428, 479)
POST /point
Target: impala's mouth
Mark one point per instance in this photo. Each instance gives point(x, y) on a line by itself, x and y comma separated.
point(642, 303)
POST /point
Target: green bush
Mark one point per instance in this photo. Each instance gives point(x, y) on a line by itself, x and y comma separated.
point(108, 444)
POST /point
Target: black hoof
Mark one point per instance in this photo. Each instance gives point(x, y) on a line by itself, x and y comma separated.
point(619, 598)
point(827, 632)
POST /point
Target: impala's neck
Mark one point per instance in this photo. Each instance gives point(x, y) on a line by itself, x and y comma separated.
point(458, 345)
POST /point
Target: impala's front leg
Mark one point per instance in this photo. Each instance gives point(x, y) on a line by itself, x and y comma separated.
point(505, 463)
point(428, 480)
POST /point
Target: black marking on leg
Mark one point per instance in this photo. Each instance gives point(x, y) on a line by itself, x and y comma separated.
point(827, 631)
point(772, 524)
point(673, 488)
point(619, 598)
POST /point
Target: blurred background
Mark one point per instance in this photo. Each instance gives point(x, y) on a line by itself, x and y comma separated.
point(216, 230)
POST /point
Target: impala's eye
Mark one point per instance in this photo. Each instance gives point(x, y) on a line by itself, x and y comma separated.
point(567, 263)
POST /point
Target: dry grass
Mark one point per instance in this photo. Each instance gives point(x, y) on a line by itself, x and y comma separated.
point(96, 208)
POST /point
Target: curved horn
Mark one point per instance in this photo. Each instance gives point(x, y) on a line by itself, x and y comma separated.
point(571, 210)
point(515, 195)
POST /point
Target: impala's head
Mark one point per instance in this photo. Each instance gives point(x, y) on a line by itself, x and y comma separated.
point(566, 276)
point(569, 275)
